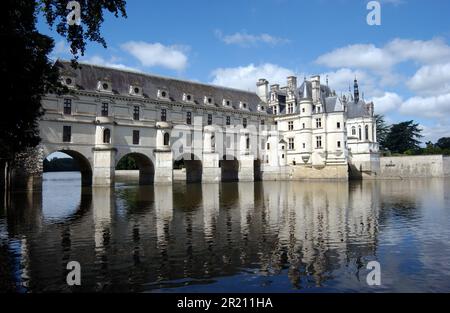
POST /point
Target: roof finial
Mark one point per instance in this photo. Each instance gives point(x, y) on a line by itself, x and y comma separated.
point(327, 80)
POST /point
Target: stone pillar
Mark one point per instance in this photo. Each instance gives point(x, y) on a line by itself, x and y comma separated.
point(163, 154)
point(246, 159)
point(104, 166)
point(211, 171)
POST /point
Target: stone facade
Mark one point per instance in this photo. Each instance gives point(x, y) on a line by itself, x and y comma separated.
point(215, 133)
point(414, 167)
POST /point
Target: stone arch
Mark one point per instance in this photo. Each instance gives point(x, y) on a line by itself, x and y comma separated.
point(257, 170)
point(192, 165)
point(144, 164)
point(83, 163)
point(229, 167)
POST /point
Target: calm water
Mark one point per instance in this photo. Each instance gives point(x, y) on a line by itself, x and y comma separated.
point(232, 237)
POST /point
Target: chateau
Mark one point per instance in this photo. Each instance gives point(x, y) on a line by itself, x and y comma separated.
point(180, 130)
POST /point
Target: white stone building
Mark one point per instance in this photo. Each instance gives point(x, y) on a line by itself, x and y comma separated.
point(181, 130)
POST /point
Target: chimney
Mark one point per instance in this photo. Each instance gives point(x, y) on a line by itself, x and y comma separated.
point(262, 89)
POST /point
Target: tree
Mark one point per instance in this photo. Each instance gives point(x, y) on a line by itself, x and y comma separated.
point(404, 137)
point(26, 66)
point(382, 130)
point(443, 143)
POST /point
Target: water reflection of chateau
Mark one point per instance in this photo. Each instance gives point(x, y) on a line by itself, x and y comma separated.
point(149, 237)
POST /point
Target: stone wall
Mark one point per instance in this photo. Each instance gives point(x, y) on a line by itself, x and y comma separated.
point(302, 172)
point(414, 166)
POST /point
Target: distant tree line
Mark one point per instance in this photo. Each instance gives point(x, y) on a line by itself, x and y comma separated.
point(405, 139)
point(61, 165)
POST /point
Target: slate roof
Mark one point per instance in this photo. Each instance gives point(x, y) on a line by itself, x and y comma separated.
point(87, 77)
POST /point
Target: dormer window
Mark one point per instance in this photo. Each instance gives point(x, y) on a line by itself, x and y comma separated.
point(243, 105)
point(187, 97)
point(226, 103)
point(135, 90)
point(208, 100)
point(68, 82)
point(104, 86)
point(163, 94)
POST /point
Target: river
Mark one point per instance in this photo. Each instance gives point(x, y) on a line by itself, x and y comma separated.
point(229, 237)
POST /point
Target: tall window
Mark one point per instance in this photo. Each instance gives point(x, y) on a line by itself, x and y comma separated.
point(228, 121)
point(106, 136)
point(303, 125)
point(291, 144)
point(318, 122)
point(304, 145)
point(290, 125)
point(360, 133)
point(105, 109)
point(209, 119)
point(338, 144)
point(319, 142)
point(67, 133)
point(136, 114)
point(367, 132)
point(163, 115)
point(353, 131)
point(290, 108)
point(68, 106)
point(338, 125)
point(189, 118)
point(136, 137)
point(247, 142)
point(263, 122)
point(244, 122)
point(166, 139)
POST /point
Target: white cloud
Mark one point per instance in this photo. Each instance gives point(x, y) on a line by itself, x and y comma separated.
point(156, 54)
point(435, 132)
point(388, 102)
point(98, 60)
point(245, 77)
point(382, 59)
point(244, 39)
point(428, 107)
point(431, 79)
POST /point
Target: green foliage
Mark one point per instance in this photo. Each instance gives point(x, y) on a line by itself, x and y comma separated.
point(127, 163)
point(61, 165)
point(443, 143)
point(382, 130)
point(26, 67)
point(404, 137)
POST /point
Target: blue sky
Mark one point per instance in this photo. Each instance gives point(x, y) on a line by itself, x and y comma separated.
point(402, 65)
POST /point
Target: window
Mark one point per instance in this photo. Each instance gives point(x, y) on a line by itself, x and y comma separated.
point(263, 122)
point(244, 122)
point(360, 133)
point(68, 106)
point(275, 111)
point(291, 144)
point(353, 131)
point(163, 115)
point(105, 109)
point(136, 113)
point(247, 142)
point(290, 125)
point(367, 132)
point(303, 110)
point(166, 139)
point(228, 122)
point(338, 125)
point(319, 142)
point(268, 146)
point(67, 133)
point(303, 126)
point(263, 145)
point(318, 122)
point(304, 145)
point(338, 144)
point(136, 136)
point(189, 118)
point(163, 94)
point(107, 136)
point(290, 108)
point(209, 119)
point(319, 109)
